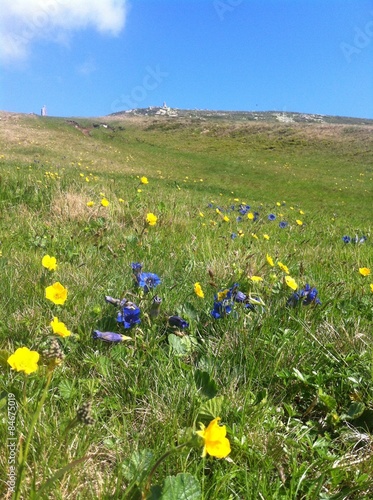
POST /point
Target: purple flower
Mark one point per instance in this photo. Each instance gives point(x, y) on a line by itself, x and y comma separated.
point(283, 224)
point(107, 336)
point(147, 281)
point(129, 315)
point(177, 321)
point(271, 217)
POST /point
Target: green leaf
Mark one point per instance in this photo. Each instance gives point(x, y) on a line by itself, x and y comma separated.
point(261, 397)
point(205, 384)
point(355, 410)
point(180, 346)
point(211, 409)
point(137, 467)
point(327, 400)
point(181, 487)
point(67, 389)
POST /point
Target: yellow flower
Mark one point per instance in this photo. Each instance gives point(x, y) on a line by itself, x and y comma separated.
point(265, 236)
point(24, 360)
point(121, 200)
point(151, 219)
point(256, 279)
point(198, 290)
point(144, 180)
point(278, 204)
point(56, 293)
point(291, 282)
point(283, 267)
point(364, 271)
point(59, 328)
point(104, 202)
point(222, 294)
point(301, 212)
point(215, 442)
point(250, 216)
point(240, 233)
point(269, 260)
point(254, 236)
point(299, 222)
point(226, 218)
point(90, 204)
point(49, 262)
point(201, 214)
point(371, 287)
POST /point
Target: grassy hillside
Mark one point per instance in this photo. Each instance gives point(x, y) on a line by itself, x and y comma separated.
point(258, 207)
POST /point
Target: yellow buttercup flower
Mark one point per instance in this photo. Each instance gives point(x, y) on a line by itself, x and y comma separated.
point(265, 236)
point(283, 267)
point(104, 202)
point(56, 293)
point(269, 260)
point(90, 204)
point(371, 287)
point(151, 219)
point(256, 279)
point(121, 200)
point(250, 216)
point(299, 222)
point(198, 290)
point(49, 262)
point(291, 282)
point(24, 360)
point(364, 271)
point(59, 328)
point(216, 443)
point(144, 180)
point(226, 218)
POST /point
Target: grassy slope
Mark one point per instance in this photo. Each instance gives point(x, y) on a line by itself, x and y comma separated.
point(325, 170)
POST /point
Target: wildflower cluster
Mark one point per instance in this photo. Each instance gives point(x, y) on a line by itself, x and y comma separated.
point(305, 296)
point(355, 240)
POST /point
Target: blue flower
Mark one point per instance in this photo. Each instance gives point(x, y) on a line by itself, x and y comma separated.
point(177, 321)
point(346, 239)
point(108, 336)
point(223, 302)
point(129, 315)
point(244, 209)
point(147, 281)
point(239, 218)
point(233, 236)
point(136, 267)
point(308, 294)
point(283, 224)
point(271, 217)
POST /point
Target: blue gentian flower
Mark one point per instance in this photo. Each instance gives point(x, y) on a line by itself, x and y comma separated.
point(177, 321)
point(271, 217)
point(129, 315)
point(223, 302)
point(147, 281)
point(308, 294)
point(233, 236)
point(136, 267)
point(346, 239)
point(239, 218)
point(283, 224)
point(108, 336)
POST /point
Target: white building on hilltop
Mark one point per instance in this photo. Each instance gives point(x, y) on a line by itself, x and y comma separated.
point(44, 110)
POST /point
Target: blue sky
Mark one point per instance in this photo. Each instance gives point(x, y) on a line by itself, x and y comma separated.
point(95, 57)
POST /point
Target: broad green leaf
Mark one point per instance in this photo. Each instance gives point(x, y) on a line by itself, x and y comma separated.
point(205, 384)
point(355, 410)
point(67, 389)
point(211, 409)
point(180, 346)
point(138, 466)
point(328, 401)
point(181, 487)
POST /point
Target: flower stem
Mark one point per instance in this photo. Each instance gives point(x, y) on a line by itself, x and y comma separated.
point(21, 467)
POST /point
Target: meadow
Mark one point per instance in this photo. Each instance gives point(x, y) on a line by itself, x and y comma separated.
point(235, 260)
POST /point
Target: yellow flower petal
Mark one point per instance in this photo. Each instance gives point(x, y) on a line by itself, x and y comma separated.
point(216, 443)
point(198, 290)
point(24, 360)
point(364, 271)
point(291, 282)
point(151, 219)
point(56, 293)
point(49, 263)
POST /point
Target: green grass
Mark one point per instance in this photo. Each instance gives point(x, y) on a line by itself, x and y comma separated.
point(292, 385)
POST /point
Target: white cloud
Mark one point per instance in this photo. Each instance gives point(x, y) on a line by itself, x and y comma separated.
point(24, 21)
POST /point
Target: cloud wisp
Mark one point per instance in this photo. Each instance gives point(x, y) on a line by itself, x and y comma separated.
point(23, 22)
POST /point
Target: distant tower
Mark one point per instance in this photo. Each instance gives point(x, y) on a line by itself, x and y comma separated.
point(44, 110)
